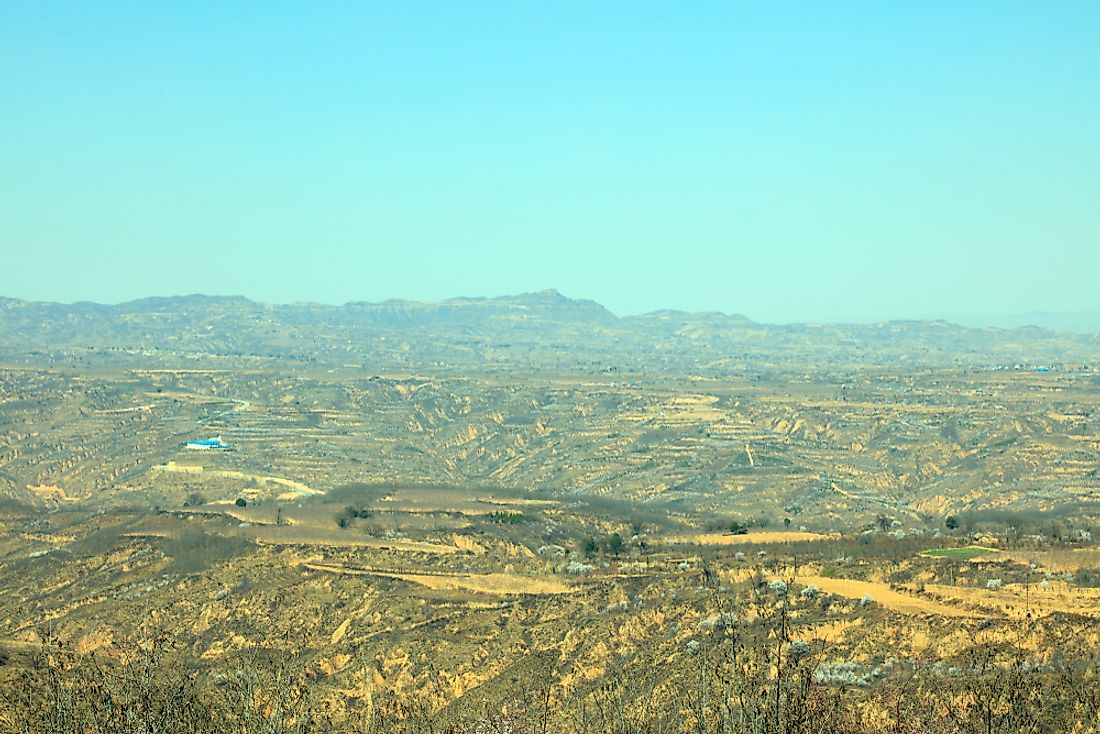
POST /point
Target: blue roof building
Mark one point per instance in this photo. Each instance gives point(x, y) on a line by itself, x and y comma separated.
point(209, 444)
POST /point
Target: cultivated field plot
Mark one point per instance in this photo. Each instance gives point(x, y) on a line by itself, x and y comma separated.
point(761, 538)
point(495, 584)
point(871, 592)
point(965, 553)
point(1028, 600)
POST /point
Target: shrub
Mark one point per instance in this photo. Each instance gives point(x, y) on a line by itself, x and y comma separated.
point(614, 544)
point(1087, 577)
point(196, 550)
point(799, 649)
point(738, 684)
point(351, 512)
point(506, 518)
point(846, 674)
point(722, 621)
point(241, 502)
point(577, 568)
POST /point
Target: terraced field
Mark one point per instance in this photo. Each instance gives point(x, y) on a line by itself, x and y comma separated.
point(450, 534)
point(879, 593)
point(731, 446)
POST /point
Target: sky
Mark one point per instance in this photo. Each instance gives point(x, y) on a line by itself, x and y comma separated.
point(796, 161)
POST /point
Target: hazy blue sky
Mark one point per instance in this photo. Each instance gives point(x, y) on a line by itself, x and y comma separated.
point(789, 161)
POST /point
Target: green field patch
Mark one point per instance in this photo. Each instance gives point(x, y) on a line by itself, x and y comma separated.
point(962, 554)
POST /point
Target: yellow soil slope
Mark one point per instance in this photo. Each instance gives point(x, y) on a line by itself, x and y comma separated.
point(750, 538)
point(884, 595)
point(501, 584)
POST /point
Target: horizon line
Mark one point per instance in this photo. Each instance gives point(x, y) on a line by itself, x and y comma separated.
point(952, 320)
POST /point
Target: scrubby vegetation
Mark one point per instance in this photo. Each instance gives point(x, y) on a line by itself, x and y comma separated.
point(197, 549)
point(958, 553)
point(745, 672)
point(507, 518)
point(1068, 522)
point(351, 513)
point(768, 545)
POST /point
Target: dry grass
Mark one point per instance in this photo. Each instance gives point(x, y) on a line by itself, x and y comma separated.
point(305, 536)
point(310, 537)
point(884, 595)
point(518, 502)
point(678, 411)
point(778, 536)
point(1016, 600)
point(466, 543)
point(497, 584)
point(453, 500)
point(966, 553)
point(297, 488)
point(1058, 560)
point(52, 492)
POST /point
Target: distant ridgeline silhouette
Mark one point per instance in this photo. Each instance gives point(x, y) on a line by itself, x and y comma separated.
point(533, 330)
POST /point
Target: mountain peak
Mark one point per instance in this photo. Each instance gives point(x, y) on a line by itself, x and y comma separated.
point(549, 295)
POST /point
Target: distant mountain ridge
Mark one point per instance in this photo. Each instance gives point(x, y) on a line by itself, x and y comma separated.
point(1081, 322)
point(545, 325)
